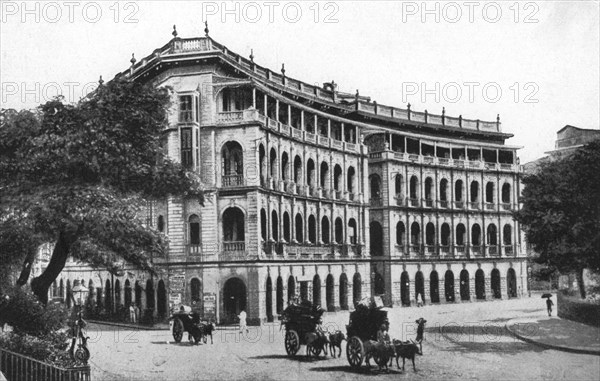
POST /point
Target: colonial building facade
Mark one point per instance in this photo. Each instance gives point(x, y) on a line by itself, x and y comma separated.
point(317, 194)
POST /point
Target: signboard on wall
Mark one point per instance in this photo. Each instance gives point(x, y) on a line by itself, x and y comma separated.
point(210, 305)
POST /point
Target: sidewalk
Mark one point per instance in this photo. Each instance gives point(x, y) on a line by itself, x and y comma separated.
point(556, 333)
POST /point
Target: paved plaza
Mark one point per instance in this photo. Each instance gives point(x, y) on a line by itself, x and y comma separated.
point(462, 341)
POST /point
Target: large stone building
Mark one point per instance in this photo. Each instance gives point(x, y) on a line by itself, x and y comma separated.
point(318, 194)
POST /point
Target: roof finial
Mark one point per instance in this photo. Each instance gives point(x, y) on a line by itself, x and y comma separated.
point(283, 69)
point(206, 28)
point(498, 118)
point(100, 81)
point(356, 95)
point(252, 55)
point(133, 60)
point(443, 110)
point(174, 31)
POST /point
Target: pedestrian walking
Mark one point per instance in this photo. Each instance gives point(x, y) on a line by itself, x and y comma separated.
point(131, 314)
point(242, 317)
point(549, 304)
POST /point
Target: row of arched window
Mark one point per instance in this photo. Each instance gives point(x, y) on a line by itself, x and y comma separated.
point(303, 293)
point(445, 239)
point(310, 174)
point(444, 191)
point(114, 295)
point(270, 230)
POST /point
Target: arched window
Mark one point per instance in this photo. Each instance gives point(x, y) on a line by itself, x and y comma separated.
point(160, 224)
point(195, 290)
point(352, 231)
point(310, 173)
point(415, 233)
point(376, 238)
point(351, 175)
point(274, 226)
point(285, 166)
point(444, 190)
point(324, 175)
point(297, 169)
point(325, 229)
point(492, 235)
point(398, 185)
point(312, 229)
point(489, 192)
point(273, 164)
point(428, 189)
point(430, 234)
point(474, 191)
point(337, 178)
point(458, 191)
point(194, 222)
point(400, 230)
point(262, 163)
point(375, 183)
point(460, 234)
point(263, 224)
point(506, 193)
point(476, 235)
point(233, 159)
point(339, 231)
point(507, 234)
point(233, 225)
point(286, 227)
point(299, 228)
point(445, 238)
point(414, 186)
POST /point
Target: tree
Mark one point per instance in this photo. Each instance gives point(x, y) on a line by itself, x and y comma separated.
point(561, 212)
point(79, 175)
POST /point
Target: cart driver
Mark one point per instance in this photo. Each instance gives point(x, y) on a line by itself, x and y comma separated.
point(382, 334)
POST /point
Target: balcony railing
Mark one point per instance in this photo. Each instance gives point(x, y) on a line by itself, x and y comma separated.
point(376, 202)
point(414, 202)
point(490, 206)
point(234, 246)
point(506, 206)
point(232, 180)
point(474, 205)
point(444, 204)
point(460, 249)
point(492, 250)
point(194, 249)
point(399, 200)
point(428, 203)
point(508, 250)
point(459, 204)
point(351, 196)
point(476, 250)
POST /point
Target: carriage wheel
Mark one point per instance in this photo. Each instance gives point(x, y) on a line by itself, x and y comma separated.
point(177, 330)
point(292, 342)
point(355, 352)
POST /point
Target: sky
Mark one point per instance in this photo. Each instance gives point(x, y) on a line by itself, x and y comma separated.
point(535, 63)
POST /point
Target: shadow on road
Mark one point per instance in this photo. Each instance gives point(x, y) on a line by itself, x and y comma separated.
point(298, 358)
point(363, 370)
point(483, 339)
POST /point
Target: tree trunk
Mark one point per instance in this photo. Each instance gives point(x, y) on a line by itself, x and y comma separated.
point(580, 284)
point(41, 284)
point(26, 268)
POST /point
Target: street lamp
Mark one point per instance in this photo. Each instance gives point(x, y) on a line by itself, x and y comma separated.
point(79, 292)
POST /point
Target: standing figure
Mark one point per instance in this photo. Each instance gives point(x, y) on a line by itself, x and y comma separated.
point(131, 314)
point(419, 300)
point(549, 304)
point(382, 334)
point(242, 317)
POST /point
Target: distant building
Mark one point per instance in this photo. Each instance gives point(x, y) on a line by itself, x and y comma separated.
point(318, 194)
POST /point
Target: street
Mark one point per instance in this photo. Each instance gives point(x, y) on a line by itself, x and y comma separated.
point(462, 341)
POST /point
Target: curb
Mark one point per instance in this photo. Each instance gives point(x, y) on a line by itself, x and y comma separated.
point(138, 327)
point(552, 346)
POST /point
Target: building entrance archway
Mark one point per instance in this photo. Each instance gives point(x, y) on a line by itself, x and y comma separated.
point(234, 299)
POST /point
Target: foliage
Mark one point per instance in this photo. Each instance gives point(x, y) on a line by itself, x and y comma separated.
point(24, 312)
point(51, 348)
point(80, 176)
point(561, 212)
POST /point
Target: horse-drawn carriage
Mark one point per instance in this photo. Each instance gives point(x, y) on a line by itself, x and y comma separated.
point(185, 320)
point(364, 323)
point(299, 320)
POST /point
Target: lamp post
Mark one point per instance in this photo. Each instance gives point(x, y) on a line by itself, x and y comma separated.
point(79, 292)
